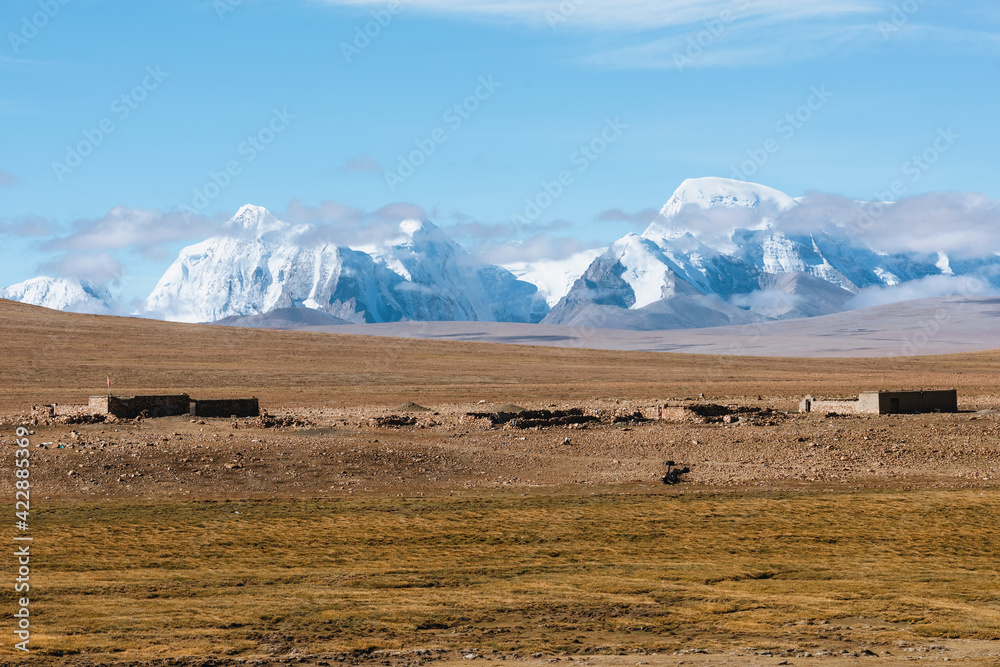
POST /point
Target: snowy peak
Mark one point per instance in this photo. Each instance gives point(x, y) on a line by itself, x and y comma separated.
point(411, 228)
point(66, 294)
point(420, 233)
point(714, 192)
point(729, 240)
point(704, 194)
point(254, 221)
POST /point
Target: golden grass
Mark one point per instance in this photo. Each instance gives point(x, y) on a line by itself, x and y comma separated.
point(606, 573)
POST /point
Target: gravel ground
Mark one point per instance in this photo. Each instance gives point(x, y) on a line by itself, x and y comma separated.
point(345, 451)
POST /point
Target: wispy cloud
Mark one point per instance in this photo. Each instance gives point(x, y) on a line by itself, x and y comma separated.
point(959, 224)
point(142, 231)
point(539, 247)
point(748, 42)
point(630, 14)
point(344, 225)
point(678, 34)
point(643, 217)
point(27, 226)
point(7, 178)
point(99, 268)
point(923, 288)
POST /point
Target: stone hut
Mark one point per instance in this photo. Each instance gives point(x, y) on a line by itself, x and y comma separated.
point(887, 403)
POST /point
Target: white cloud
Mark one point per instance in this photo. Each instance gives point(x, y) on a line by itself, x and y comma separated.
point(140, 230)
point(959, 224)
point(98, 268)
point(931, 286)
point(27, 226)
point(536, 248)
point(347, 226)
point(681, 34)
point(630, 14)
point(740, 43)
point(642, 217)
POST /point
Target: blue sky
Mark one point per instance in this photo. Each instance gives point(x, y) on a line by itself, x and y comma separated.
point(204, 105)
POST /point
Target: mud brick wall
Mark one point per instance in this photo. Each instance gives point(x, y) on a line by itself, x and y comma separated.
point(130, 407)
point(907, 402)
point(227, 407)
point(59, 410)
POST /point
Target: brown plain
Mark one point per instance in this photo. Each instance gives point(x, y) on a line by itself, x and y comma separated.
point(797, 540)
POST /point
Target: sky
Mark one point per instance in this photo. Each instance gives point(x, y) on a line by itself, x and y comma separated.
point(131, 129)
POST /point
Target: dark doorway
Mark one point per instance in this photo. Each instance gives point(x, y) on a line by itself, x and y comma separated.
point(894, 406)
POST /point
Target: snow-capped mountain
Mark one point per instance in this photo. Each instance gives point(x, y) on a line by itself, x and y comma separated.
point(759, 203)
point(260, 263)
point(68, 294)
point(443, 282)
point(633, 285)
point(719, 252)
point(731, 243)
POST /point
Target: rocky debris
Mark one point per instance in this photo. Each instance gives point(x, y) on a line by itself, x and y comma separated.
point(711, 413)
point(391, 421)
point(628, 417)
point(266, 420)
point(85, 418)
point(341, 451)
point(534, 418)
point(48, 415)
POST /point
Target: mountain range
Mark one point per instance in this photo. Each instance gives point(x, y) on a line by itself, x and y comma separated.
point(720, 252)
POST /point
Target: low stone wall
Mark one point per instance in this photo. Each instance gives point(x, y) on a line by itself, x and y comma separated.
point(226, 407)
point(130, 407)
point(809, 404)
point(60, 410)
point(695, 412)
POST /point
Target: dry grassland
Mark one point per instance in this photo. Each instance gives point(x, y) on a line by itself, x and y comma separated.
point(60, 357)
point(604, 573)
point(611, 574)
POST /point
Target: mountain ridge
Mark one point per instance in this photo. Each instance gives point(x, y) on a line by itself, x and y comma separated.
point(720, 252)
